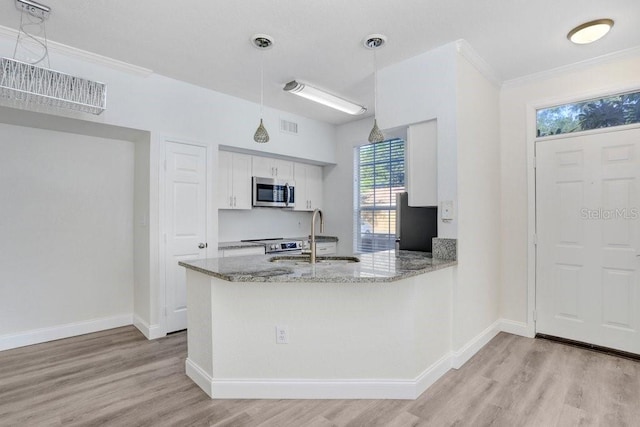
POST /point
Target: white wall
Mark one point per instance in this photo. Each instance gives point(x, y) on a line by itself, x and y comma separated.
point(476, 289)
point(424, 88)
point(580, 81)
point(66, 221)
point(338, 183)
point(167, 108)
point(141, 242)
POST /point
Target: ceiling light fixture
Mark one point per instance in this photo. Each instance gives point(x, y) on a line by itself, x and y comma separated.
point(321, 97)
point(375, 42)
point(590, 31)
point(25, 82)
point(262, 42)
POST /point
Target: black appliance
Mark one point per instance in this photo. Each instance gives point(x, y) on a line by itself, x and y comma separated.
point(415, 226)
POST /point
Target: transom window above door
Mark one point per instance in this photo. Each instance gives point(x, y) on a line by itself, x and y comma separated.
point(596, 113)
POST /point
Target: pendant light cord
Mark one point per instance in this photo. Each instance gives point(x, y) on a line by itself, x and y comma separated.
point(32, 21)
point(261, 83)
point(375, 85)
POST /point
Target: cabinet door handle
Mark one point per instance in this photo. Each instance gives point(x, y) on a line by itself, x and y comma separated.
point(276, 171)
point(231, 201)
point(234, 201)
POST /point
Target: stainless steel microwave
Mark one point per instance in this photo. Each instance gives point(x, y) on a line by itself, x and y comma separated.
point(273, 193)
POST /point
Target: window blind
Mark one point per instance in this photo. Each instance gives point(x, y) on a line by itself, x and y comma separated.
point(378, 177)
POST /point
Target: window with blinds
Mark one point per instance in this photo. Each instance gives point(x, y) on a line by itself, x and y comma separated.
point(379, 176)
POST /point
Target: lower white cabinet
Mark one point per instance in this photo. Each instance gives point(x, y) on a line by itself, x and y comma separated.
point(254, 250)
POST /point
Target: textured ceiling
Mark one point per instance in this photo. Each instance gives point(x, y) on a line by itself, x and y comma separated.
point(207, 42)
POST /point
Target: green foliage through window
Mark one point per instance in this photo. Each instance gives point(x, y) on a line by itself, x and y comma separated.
point(616, 110)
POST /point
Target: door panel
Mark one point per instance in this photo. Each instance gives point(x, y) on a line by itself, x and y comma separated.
point(588, 228)
point(185, 213)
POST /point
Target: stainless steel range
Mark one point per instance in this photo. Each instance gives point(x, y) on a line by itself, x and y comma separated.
point(276, 245)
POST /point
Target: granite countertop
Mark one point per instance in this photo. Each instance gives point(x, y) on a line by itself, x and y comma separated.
point(386, 266)
point(239, 245)
point(318, 238)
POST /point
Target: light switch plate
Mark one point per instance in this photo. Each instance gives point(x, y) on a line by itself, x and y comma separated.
point(446, 210)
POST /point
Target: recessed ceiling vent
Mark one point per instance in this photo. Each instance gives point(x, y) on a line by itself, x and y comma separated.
point(288, 127)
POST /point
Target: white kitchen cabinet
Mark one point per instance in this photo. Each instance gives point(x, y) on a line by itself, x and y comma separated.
point(308, 179)
point(268, 167)
point(422, 164)
point(234, 180)
point(254, 250)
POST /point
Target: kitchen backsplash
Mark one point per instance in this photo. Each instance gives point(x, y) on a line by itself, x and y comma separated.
point(445, 248)
point(259, 223)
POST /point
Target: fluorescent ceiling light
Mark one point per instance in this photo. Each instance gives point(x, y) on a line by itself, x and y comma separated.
point(324, 98)
point(590, 31)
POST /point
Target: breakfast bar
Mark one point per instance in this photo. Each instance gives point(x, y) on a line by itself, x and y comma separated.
point(371, 325)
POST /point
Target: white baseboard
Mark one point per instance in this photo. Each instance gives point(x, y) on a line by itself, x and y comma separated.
point(37, 336)
point(460, 357)
point(516, 328)
point(231, 388)
point(432, 374)
point(315, 388)
point(199, 376)
point(152, 332)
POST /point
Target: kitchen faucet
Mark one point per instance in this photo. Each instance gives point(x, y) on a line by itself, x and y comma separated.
point(313, 233)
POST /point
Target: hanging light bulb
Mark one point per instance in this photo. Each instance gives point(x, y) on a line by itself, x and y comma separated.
point(374, 42)
point(262, 42)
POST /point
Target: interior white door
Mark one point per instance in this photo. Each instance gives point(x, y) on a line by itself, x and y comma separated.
point(186, 223)
point(588, 228)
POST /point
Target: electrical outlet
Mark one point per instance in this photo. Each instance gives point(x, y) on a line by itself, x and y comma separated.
point(282, 335)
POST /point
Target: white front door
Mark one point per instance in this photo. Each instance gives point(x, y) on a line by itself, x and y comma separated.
point(588, 229)
point(186, 223)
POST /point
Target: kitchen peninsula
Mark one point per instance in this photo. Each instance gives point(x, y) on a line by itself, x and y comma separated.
point(377, 328)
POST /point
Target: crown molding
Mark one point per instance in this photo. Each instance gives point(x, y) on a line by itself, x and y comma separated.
point(547, 74)
point(464, 48)
point(73, 52)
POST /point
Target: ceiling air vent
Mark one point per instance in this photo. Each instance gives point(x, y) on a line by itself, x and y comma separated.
point(288, 127)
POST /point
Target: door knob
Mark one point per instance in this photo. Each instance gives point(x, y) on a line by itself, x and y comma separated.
point(202, 245)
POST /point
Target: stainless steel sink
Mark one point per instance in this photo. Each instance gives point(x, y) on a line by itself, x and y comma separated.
point(306, 259)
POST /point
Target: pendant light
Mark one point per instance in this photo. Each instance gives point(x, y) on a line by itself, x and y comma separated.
point(262, 42)
point(375, 42)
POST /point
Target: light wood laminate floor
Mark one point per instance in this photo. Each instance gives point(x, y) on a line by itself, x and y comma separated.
point(119, 378)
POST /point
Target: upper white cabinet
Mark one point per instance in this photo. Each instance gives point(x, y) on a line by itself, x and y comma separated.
point(422, 164)
point(234, 180)
point(267, 167)
point(308, 189)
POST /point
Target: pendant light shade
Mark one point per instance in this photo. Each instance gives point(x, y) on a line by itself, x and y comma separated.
point(261, 134)
point(376, 134)
point(262, 42)
point(374, 42)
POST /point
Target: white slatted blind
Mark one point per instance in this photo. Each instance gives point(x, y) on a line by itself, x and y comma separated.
point(379, 176)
